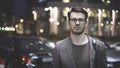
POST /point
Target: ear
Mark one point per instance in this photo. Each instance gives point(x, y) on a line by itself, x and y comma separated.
point(67, 24)
point(86, 21)
point(86, 27)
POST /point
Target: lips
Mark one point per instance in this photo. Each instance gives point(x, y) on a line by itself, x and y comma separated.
point(77, 28)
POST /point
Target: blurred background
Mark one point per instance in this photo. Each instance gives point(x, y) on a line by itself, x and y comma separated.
point(47, 18)
point(29, 28)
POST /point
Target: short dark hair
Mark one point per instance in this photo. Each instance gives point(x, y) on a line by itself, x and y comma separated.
point(78, 9)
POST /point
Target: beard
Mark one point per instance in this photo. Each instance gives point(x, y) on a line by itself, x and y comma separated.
point(77, 33)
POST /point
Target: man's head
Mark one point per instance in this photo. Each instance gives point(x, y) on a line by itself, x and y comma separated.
point(78, 9)
point(77, 18)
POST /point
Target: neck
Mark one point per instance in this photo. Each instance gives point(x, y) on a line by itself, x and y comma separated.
point(79, 39)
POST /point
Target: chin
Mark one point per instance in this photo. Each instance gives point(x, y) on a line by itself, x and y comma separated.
point(77, 33)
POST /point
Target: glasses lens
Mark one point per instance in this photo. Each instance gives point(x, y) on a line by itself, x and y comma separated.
point(75, 20)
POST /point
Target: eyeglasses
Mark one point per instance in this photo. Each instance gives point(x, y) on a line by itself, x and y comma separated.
point(75, 20)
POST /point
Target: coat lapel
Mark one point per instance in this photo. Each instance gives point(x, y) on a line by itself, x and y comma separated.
point(92, 52)
point(70, 52)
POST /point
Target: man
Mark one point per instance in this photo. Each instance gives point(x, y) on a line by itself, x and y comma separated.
point(78, 50)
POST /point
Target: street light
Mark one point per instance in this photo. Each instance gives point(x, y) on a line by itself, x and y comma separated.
point(34, 15)
point(21, 20)
point(34, 20)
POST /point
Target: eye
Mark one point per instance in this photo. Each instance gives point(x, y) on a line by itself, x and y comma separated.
point(81, 19)
point(73, 19)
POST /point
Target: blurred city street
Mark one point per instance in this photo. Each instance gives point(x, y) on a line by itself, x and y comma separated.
point(38, 24)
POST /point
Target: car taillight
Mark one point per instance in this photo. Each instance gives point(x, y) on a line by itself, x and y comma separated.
point(26, 59)
point(2, 63)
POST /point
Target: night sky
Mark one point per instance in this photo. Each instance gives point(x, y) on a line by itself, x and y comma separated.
point(20, 7)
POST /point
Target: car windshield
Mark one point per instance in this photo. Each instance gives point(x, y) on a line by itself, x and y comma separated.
point(31, 44)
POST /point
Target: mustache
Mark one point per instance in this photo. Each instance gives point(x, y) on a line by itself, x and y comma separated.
point(77, 27)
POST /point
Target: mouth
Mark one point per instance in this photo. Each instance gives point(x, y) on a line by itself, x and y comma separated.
point(77, 28)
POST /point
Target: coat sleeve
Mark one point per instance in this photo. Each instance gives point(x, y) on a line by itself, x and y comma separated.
point(101, 60)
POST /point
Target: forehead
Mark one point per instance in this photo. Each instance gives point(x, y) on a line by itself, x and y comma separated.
point(77, 15)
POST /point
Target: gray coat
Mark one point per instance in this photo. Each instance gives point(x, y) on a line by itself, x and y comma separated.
point(63, 54)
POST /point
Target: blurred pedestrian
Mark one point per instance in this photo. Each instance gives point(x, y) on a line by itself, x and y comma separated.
point(79, 50)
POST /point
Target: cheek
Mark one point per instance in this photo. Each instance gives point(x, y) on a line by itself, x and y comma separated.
point(83, 25)
point(71, 25)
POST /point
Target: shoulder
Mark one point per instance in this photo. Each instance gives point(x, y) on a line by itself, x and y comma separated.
point(97, 40)
point(99, 43)
point(62, 42)
point(61, 45)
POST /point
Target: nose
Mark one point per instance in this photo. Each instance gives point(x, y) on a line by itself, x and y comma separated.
point(77, 22)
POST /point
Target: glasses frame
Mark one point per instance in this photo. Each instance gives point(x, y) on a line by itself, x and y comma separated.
point(75, 20)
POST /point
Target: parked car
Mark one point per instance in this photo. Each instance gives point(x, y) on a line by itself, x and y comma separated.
point(25, 52)
point(113, 55)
